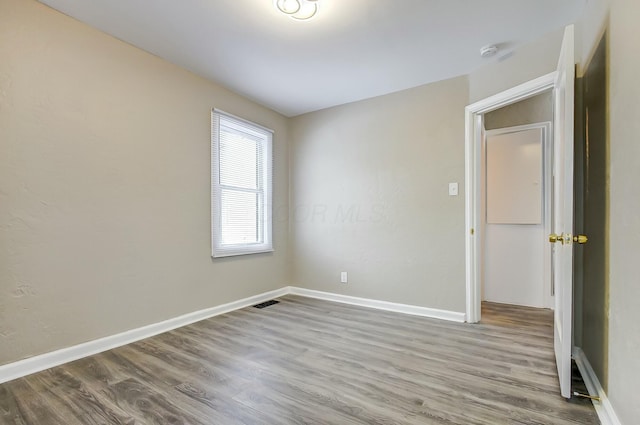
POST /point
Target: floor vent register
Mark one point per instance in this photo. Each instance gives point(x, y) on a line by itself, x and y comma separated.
point(266, 304)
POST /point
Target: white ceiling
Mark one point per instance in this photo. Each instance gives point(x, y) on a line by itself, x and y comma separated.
point(353, 49)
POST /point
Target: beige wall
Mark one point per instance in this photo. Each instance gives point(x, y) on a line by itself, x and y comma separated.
point(624, 286)
point(536, 109)
point(620, 17)
point(370, 197)
point(104, 187)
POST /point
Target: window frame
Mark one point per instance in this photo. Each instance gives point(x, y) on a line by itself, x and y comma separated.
point(264, 184)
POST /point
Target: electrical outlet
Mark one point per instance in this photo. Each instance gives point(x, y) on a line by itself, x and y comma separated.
point(343, 277)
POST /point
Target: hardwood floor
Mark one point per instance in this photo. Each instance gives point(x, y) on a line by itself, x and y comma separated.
point(305, 361)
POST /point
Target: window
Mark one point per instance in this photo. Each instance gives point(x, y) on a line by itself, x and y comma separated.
point(240, 186)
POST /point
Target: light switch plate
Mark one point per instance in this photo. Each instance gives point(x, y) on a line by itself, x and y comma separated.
point(453, 189)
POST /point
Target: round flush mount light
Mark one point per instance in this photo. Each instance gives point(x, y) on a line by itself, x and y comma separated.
point(299, 10)
point(488, 51)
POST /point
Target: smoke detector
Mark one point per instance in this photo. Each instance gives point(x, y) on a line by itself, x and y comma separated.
point(488, 50)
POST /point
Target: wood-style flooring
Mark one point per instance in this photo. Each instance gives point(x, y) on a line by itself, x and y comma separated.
point(306, 361)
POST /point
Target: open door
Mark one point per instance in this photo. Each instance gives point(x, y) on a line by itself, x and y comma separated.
point(562, 215)
point(562, 82)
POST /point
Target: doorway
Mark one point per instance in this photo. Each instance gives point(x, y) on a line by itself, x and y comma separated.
point(562, 82)
point(517, 205)
point(475, 115)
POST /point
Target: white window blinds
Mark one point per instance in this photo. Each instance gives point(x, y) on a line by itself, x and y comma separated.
point(241, 171)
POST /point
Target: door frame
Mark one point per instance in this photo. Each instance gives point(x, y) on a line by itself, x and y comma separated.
point(473, 181)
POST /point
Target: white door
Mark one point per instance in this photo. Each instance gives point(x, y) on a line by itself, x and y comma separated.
point(515, 228)
point(562, 225)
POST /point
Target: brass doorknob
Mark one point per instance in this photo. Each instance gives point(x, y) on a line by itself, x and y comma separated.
point(581, 239)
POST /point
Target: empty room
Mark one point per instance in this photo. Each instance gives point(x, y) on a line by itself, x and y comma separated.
point(319, 212)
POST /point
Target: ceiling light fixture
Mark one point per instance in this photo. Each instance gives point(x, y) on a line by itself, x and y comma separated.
point(300, 10)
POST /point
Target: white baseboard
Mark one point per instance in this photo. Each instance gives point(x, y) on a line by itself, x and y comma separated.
point(381, 305)
point(604, 409)
point(41, 362)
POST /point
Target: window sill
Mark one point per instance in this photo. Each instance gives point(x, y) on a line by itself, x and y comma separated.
point(245, 250)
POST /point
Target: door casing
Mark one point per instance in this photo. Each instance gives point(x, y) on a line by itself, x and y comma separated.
point(473, 181)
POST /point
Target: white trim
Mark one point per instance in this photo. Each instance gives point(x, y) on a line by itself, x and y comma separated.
point(473, 144)
point(604, 409)
point(237, 118)
point(35, 364)
point(514, 94)
point(264, 139)
point(11, 371)
point(414, 310)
